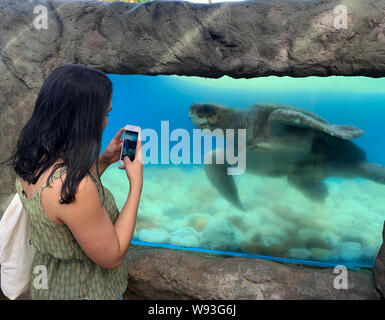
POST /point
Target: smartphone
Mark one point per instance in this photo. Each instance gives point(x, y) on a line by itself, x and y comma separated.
point(130, 141)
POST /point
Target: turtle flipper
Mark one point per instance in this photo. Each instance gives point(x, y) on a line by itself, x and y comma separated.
point(314, 189)
point(371, 171)
point(219, 177)
point(306, 120)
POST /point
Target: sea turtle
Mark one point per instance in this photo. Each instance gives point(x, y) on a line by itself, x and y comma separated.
point(285, 141)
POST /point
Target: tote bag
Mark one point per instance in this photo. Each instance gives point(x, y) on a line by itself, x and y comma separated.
point(16, 252)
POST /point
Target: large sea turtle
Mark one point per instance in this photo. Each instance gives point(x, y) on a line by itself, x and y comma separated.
point(286, 141)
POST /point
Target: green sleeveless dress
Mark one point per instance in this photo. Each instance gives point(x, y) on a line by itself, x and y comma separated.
point(70, 273)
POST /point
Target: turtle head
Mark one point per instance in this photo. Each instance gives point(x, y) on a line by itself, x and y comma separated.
point(210, 116)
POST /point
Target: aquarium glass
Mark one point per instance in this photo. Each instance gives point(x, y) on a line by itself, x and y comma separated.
point(181, 208)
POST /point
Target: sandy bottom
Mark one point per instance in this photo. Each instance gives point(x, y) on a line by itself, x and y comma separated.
point(181, 207)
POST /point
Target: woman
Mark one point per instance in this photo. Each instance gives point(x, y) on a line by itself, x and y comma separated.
point(80, 236)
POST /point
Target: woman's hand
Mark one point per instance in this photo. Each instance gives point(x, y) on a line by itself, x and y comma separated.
point(134, 169)
point(112, 152)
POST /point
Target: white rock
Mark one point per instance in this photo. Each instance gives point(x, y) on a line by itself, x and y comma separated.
point(350, 251)
point(252, 235)
point(174, 224)
point(154, 235)
point(351, 187)
point(261, 215)
point(193, 216)
point(261, 202)
point(251, 219)
point(173, 212)
point(186, 237)
point(267, 241)
point(270, 230)
point(220, 234)
point(149, 211)
point(371, 252)
point(176, 194)
point(308, 233)
point(330, 238)
point(152, 187)
point(378, 204)
point(220, 206)
point(320, 254)
point(153, 209)
point(353, 207)
point(372, 188)
point(300, 211)
point(299, 253)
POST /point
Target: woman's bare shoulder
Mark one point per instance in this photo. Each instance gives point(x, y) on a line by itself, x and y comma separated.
point(50, 197)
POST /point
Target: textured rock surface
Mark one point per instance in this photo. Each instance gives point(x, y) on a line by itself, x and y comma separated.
point(171, 274)
point(247, 39)
point(379, 267)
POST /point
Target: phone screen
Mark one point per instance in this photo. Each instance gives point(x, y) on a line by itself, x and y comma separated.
point(130, 141)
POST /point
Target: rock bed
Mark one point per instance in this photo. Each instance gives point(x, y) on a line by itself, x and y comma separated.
point(182, 208)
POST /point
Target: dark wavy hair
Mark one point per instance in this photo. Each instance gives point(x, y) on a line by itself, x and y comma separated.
point(66, 123)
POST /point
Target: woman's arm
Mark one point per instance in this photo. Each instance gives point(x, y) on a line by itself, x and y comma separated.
point(103, 242)
point(125, 224)
point(102, 166)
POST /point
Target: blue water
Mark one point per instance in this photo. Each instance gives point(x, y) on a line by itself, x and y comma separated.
point(145, 101)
